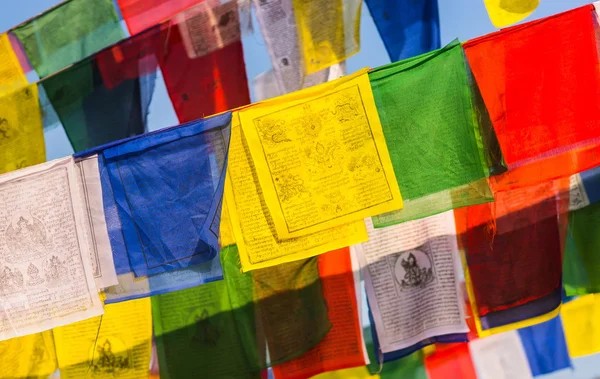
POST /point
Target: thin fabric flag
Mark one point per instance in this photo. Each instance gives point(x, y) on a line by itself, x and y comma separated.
point(69, 33)
point(581, 263)
point(541, 85)
point(328, 31)
point(438, 133)
point(28, 356)
point(140, 15)
point(411, 366)
point(118, 344)
point(337, 278)
point(545, 347)
point(507, 12)
point(168, 188)
point(500, 356)
point(252, 222)
point(407, 27)
point(516, 243)
point(581, 324)
point(321, 157)
point(451, 363)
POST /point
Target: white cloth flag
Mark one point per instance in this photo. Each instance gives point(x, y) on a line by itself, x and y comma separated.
point(500, 356)
point(46, 277)
point(411, 278)
point(96, 232)
point(578, 197)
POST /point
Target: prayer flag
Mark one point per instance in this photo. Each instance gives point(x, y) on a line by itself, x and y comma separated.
point(407, 27)
point(328, 31)
point(506, 12)
point(143, 14)
point(582, 327)
point(69, 33)
point(11, 74)
point(545, 347)
point(321, 157)
point(343, 346)
point(252, 222)
point(541, 85)
point(166, 185)
point(118, 344)
point(451, 363)
point(28, 356)
point(46, 278)
point(438, 133)
point(500, 356)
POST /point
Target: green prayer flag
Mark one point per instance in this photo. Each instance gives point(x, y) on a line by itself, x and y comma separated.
point(69, 33)
point(242, 324)
point(411, 366)
point(438, 133)
point(581, 261)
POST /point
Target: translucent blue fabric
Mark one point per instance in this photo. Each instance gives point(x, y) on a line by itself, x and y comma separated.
point(591, 183)
point(407, 27)
point(545, 347)
point(523, 312)
point(392, 356)
point(167, 190)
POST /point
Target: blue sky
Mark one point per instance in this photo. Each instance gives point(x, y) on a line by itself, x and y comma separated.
point(463, 19)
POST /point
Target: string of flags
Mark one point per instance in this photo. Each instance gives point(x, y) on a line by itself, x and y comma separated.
point(430, 218)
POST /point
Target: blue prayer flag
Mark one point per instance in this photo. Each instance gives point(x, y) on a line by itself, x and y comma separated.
point(545, 347)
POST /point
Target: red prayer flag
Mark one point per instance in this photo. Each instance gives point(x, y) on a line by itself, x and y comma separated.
point(143, 14)
point(451, 363)
point(513, 247)
point(200, 87)
point(541, 85)
point(342, 347)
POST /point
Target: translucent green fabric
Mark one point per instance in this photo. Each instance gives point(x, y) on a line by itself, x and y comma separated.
point(68, 33)
point(438, 133)
point(411, 366)
point(581, 262)
point(235, 327)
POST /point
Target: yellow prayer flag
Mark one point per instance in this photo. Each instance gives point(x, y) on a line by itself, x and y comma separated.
point(117, 344)
point(507, 12)
point(581, 322)
point(252, 224)
point(321, 157)
point(11, 74)
point(28, 356)
point(349, 373)
point(226, 237)
point(328, 31)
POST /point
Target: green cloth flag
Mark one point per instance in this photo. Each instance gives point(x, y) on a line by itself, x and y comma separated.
point(69, 33)
point(236, 327)
point(411, 366)
point(438, 132)
point(581, 261)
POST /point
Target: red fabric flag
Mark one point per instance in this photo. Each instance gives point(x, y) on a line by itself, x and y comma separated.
point(342, 347)
point(513, 246)
point(143, 14)
point(200, 87)
point(451, 363)
point(541, 85)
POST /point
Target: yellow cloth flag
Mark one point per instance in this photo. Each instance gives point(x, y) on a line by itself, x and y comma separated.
point(349, 373)
point(226, 237)
point(28, 356)
point(121, 348)
point(507, 12)
point(328, 31)
point(581, 322)
point(321, 157)
point(21, 128)
point(252, 224)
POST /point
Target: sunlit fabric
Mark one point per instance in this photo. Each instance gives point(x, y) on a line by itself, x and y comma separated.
point(581, 264)
point(94, 112)
point(29, 356)
point(438, 133)
point(166, 185)
point(591, 184)
point(407, 27)
point(581, 322)
point(513, 246)
point(142, 14)
point(451, 363)
point(541, 85)
point(545, 347)
point(69, 33)
point(507, 12)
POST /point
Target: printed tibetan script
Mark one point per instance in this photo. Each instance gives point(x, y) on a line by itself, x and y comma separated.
point(46, 277)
